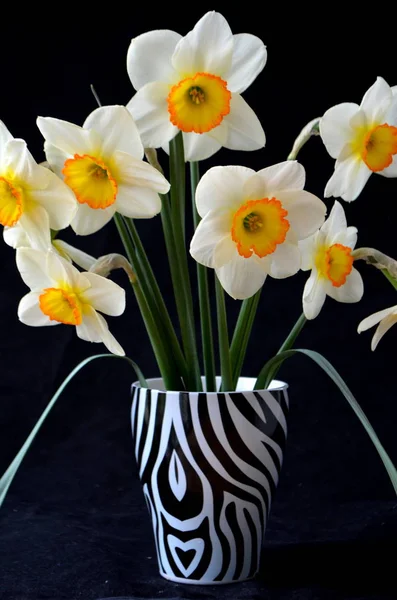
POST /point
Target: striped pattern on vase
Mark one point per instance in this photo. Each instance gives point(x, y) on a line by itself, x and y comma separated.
point(209, 464)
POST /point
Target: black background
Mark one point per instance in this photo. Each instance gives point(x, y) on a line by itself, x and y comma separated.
point(74, 524)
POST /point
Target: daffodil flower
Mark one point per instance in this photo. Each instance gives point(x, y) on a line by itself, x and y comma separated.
point(252, 222)
point(363, 139)
point(102, 163)
point(386, 319)
point(328, 253)
point(31, 196)
point(193, 84)
point(61, 294)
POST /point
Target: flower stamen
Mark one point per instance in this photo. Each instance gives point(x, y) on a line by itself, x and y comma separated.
point(379, 147)
point(91, 181)
point(259, 226)
point(199, 103)
point(61, 305)
point(335, 263)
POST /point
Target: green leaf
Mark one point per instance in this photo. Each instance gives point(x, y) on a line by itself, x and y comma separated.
point(10, 473)
point(337, 379)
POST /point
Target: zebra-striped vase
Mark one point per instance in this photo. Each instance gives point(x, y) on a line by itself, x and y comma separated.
point(209, 464)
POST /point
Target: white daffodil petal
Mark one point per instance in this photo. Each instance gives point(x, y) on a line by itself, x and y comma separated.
point(199, 146)
point(94, 329)
point(104, 295)
point(286, 261)
point(149, 57)
point(131, 171)
point(57, 199)
point(287, 175)
point(347, 237)
point(23, 166)
point(241, 277)
point(36, 224)
point(248, 59)
point(137, 202)
point(376, 101)
point(351, 291)
point(5, 137)
point(382, 328)
point(313, 296)
point(224, 251)
point(16, 237)
point(32, 265)
point(391, 114)
point(70, 138)
point(62, 270)
point(374, 319)
point(29, 312)
point(88, 220)
point(218, 133)
point(56, 158)
point(336, 221)
point(117, 130)
point(245, 131)
point(335, 127)
point(210, 232)
point(150, 112)
point(222, 188)
point(306, 212)
point(348, 179)
point(254, 188)
point(80, 258)
point(208, 48)
point(307, 249)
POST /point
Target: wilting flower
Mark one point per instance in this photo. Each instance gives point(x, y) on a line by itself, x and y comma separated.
point(102, 163)
point(31, 196)
point(252, 223)
point(193, 84)
point(386, 319)
point(61, 294)
point(328, 253)
point(363, 139)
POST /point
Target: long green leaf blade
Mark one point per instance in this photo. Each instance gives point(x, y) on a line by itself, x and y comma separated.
point(10, 473)
point(337, 379)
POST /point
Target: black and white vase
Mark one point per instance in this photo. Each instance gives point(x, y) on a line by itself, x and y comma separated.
point(209, 464)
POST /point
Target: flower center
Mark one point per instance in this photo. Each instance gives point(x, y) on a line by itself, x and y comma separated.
point(11, 203)
point(91, 181)
point(61, 305)
point(199, 103)
point(335, 263)
point(378, 147)
point(258, 226)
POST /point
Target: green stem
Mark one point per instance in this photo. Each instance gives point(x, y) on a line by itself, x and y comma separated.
point(204, 299)
point(390, 278)
point(223, 335)
point(156, 301)
point(288, 343)
point(167, 368)
point(178, 184)
point(312, 128)
point(182, 289)
point(242, 334)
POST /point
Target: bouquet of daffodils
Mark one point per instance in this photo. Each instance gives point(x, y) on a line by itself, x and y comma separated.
point(247, 225)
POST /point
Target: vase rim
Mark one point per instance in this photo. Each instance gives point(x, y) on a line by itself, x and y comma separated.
point(244, 384)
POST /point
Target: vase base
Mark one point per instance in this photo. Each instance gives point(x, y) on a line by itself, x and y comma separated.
point(201, 582)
